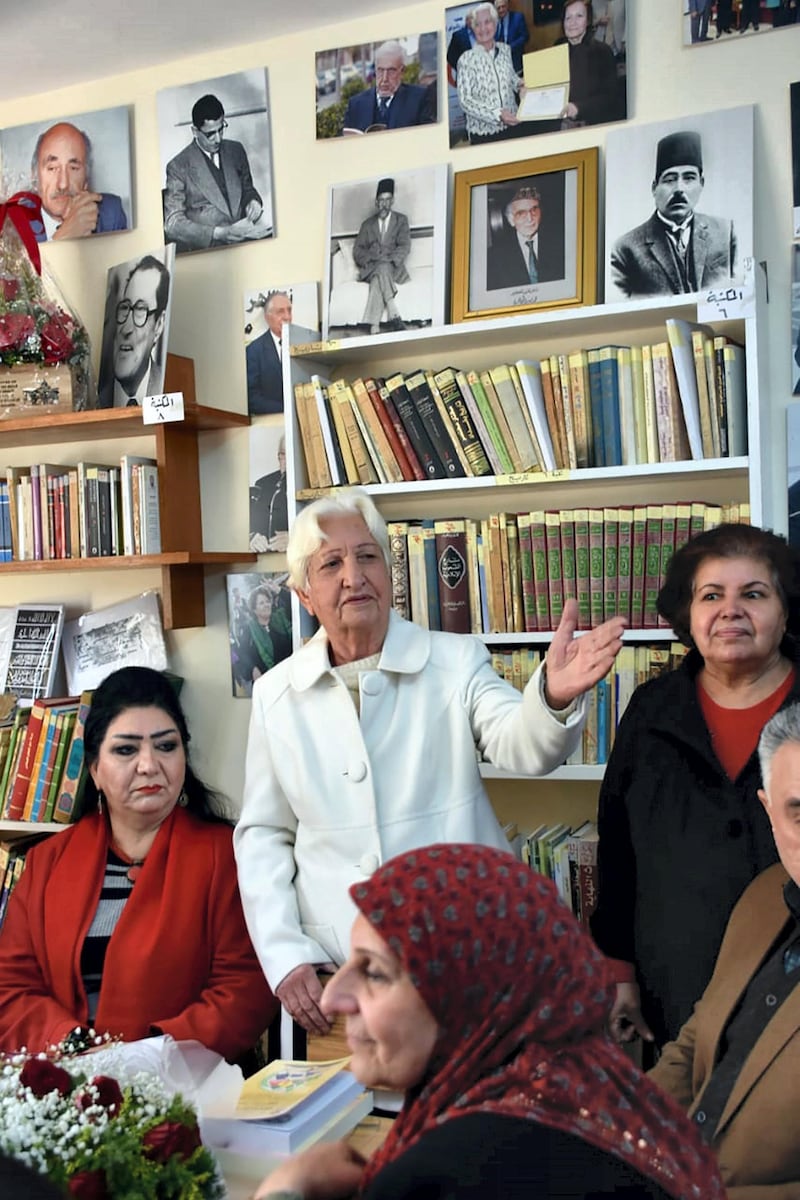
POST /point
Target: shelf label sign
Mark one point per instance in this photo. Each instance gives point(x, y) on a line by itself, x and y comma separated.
point(167, 407)
point(726, 303)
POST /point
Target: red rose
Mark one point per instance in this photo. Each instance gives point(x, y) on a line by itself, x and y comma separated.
point(56, 335)
point(89, 1184)
point(14, 329)
point(43, 1076)
point(9, 288)
point(108, 1095)
point(168, 1138)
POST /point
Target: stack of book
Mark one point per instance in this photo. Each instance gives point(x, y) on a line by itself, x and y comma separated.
point(512, 572)
point(86, 511)
point(608, 406)
point(42, 773)
point(284, 1108)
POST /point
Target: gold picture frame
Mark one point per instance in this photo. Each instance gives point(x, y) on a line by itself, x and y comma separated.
point(490, 274)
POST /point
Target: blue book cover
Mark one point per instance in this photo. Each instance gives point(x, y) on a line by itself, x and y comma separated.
point(603, 719)
point(482, 582)
point(596, 394)
point(609, 382)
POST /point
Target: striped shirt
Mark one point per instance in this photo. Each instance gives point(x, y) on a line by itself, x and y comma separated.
point(115, 891)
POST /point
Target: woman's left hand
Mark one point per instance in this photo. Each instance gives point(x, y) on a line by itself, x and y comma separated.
point(574, 664)
point(326, 1172)
point(508, 117)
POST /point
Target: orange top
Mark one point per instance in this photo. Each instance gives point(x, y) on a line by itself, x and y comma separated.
point(735, 731)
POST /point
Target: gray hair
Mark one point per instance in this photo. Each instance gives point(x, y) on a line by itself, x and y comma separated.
point(784, 727)
point(86, 143)
point(485, 7)
point(306, 535)
point(392, 47)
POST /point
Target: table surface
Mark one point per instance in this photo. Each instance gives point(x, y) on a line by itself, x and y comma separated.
point(242, 1175)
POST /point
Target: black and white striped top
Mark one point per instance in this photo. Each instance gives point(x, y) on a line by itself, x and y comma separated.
point(114, 893)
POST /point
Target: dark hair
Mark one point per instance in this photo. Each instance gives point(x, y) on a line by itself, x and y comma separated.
point(207, 108)
point(140, 687)
point(731, 541)
point(151, 263)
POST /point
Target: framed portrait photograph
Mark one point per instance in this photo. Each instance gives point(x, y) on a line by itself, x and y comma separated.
point(80, 166)
point(269, 521)
point(266, 311)
point(518, 68)
point(525, 236)
point(216, 161)
point(679, 204)
point(378, 86)
point(796, 320)
point(259, 626)
point(385, 270)
point(705, 23)
point(133, 355)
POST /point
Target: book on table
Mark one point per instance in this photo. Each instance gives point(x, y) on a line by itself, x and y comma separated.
point(289, 1105)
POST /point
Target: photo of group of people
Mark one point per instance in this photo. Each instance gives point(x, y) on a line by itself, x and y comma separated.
point(259, 626)
point(496, 52)
point(710, 20)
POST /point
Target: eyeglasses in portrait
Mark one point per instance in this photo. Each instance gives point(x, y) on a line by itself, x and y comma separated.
point(133, 354)
point(216, 159)
point(525, 236)
point(386, 84)
point(79, 166)
point(505, 59)
point(385, 269)
point(679, 204)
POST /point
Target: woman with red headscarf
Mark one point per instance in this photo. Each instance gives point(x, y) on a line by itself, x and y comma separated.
point(472, 987)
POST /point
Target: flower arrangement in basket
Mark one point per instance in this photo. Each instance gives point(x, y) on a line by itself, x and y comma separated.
point(94, 1136)
point(40, 339)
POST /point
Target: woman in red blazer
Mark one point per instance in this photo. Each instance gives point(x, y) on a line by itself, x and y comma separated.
point(130, 922)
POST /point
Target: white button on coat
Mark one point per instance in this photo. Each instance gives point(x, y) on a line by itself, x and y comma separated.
point(368, 864)
point(356, 771)
point(372, 684)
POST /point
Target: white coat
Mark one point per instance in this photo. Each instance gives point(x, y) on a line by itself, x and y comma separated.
point(330, 796)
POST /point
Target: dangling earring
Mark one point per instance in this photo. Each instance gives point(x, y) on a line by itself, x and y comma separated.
point(100, 799)
point(183, 799)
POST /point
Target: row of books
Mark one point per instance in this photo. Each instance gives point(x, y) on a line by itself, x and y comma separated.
point(512, 572)
point(682, 398)
point(12, 860)
point(609, 698)
point(567, 856)
point(42, 772)
point(50, 511)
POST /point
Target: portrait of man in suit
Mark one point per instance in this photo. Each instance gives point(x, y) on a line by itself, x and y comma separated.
point(70, 206)
point(512, 29)
point(380, 252)
point(677, 249)
point(269, 521)
point(210, 199)
point(137, 310)
point(264, 371)
point(390, 104)
point(528, 249)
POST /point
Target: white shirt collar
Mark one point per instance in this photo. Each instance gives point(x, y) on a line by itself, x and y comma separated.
point(50, 224)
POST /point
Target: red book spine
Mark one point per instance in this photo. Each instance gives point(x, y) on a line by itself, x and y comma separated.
point(382, 414)
point(385, 404)
point(16, 803)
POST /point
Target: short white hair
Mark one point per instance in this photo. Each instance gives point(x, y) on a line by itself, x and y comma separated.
point(781, 729)
point(392, 47)
point(306, 535)
point(485, 7)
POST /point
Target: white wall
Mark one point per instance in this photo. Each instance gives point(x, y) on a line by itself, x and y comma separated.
point(664, 80)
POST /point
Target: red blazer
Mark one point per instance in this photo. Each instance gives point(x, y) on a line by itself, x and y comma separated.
point(179, 959)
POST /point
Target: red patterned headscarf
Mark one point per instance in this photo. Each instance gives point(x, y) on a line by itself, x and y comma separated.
point(521, 996)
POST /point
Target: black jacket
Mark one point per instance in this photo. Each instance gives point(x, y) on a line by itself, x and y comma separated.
point(679, 842)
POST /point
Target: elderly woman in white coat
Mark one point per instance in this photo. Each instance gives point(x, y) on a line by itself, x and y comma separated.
point(362, 744)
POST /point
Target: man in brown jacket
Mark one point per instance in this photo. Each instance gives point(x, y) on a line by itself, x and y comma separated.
point(735, 1065)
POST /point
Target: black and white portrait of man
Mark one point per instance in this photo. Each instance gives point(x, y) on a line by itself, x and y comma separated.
point(133, 356)
point(679, 204)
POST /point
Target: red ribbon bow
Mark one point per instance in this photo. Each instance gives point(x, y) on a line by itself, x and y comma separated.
point(22, 209)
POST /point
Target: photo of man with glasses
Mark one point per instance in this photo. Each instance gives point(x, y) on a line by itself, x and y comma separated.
point(133, 357)
point(210, 199)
